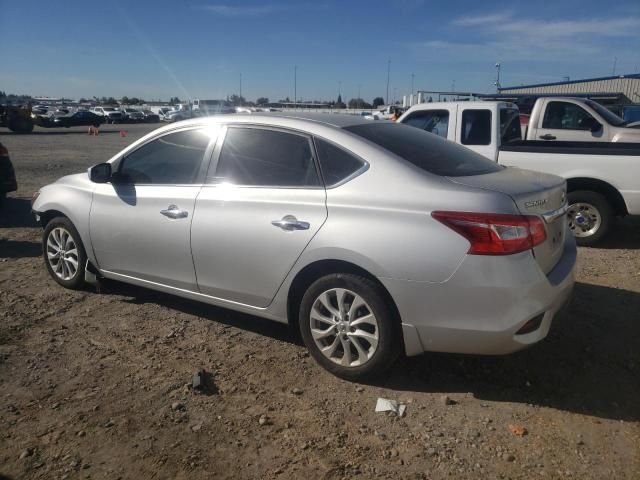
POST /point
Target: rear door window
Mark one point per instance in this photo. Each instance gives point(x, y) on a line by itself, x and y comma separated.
point(427, 152)
point(336, 164)
point(476, 127)
point(432, 121)
point(266, 158)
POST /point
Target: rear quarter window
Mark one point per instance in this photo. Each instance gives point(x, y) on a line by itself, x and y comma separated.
point(336, 164)
point(424, 150)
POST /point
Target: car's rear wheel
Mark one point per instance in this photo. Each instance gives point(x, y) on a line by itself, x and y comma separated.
point(590, 216)
point(64, 254)
point(348, 327)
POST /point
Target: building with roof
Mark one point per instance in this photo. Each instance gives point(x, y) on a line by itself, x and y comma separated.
point(618, 89)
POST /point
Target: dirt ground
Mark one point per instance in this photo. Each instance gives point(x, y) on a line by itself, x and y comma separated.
point(97, 385)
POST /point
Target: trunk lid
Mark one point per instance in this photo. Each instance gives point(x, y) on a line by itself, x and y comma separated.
point(534, 193)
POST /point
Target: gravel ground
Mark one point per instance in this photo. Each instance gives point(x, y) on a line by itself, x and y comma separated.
point(97, 385)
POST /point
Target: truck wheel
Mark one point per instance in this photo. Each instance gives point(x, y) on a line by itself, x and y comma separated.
point(590, 216)
point(20, 124)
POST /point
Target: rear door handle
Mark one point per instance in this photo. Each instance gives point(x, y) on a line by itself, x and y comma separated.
point(290, 223)
point(174, 212)
point(547, 137)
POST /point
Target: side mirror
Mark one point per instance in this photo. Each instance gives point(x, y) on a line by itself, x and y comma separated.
point(596, 127)
point(100, 173)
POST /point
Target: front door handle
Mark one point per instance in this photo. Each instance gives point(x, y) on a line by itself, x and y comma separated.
point(290, 223)
point(174, 212)
point(547, 137)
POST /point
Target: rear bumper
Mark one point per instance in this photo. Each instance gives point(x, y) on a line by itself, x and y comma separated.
point(480, 309)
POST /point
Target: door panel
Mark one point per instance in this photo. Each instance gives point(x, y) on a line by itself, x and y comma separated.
point(131, 236)
point(238, 253)
point(565, 121)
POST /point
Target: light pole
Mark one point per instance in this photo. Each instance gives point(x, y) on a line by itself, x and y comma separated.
point(497, 82)
point(240, 99)
point(340, 89)
point(295, 85)
point(615, 62)
point(359, 85)
point(388, 76)
point(412, 77)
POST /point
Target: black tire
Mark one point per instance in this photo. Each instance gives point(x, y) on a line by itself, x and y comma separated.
point(389, 337)
point(603, 209)
point(76, 282)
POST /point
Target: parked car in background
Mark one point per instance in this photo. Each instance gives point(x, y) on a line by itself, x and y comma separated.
point(375, 238)
point(8, 181)
point(631, 114)
point(603, 178)
point(150, 117)
point(79, 118)
point(131, 115)
point(109, 114)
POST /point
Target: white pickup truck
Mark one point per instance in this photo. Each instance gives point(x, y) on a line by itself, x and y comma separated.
point(603, 178)
point(578, 120)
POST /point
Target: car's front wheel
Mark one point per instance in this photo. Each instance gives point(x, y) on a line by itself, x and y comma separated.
point(348, 326)
point(64, 254)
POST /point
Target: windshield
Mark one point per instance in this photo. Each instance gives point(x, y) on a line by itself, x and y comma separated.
point(425, 150)
point(610, 117)
point(109, 109)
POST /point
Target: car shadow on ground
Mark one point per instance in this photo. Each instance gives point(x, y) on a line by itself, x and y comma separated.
point(625, 234)
point(589, 363)
point(251, 323)
point(15, 212)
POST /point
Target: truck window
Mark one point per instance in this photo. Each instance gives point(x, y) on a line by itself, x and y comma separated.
point(566, 116)
point(476, 127)
point(510, 125)
point(432, 121)
point(426, 151)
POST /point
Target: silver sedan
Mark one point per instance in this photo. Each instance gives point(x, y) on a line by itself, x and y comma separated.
point(376, 239)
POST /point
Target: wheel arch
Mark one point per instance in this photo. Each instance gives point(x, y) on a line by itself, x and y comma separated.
point(315, 270)
point(610, 192)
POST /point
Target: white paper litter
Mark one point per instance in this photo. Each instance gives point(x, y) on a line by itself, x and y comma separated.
point(386, 405)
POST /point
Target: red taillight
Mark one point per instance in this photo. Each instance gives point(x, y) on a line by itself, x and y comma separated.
point(495, 233)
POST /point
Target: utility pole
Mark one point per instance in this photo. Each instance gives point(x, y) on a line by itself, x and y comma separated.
point(388, 76)
point(412, 77)
point(359, 85)
point(295, 86)
point(240, 99)
point(340, 89)
point(497, 82)
point(615, 61)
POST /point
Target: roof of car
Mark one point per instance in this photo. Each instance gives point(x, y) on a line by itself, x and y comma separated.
point(336, 119)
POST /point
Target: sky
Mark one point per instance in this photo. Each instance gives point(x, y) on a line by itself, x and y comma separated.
point(201, 49)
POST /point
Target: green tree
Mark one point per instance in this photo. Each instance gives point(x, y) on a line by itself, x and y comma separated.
point(136, 101)
point(339, 99)
point(358, 103)
point(262, 100)
point(125, 100)
point(237, 100)
point(174, 100)
point(377, 102)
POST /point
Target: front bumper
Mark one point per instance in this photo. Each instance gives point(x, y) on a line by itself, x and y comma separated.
point(480, 309)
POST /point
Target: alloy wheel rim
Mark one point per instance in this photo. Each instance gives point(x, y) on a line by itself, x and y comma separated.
point(62, 253)
point(584, 219)
point(344, 327)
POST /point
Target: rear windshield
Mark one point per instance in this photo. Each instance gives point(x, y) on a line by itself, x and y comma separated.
point(425, 150)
